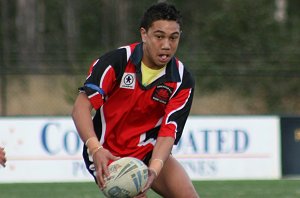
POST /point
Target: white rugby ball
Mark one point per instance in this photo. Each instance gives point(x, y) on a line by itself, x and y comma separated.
point(127, 177)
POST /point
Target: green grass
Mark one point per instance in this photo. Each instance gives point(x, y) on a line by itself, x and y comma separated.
point(207, 189)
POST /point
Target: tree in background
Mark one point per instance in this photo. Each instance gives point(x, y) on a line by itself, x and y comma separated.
point(248, 47)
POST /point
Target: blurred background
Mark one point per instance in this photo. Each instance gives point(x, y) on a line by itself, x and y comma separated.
point(244, 54)
point(245, 118)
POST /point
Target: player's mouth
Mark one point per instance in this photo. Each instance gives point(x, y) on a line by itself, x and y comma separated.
point(164, 58)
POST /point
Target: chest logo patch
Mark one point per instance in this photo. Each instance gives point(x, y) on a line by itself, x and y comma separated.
point(128, 81)
point(162, 93)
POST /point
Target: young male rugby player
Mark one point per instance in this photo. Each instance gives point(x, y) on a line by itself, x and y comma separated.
point(142, 95)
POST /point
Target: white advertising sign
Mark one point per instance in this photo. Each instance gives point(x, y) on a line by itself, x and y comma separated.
point(230, 147)
point(49, 149)
point(41, 150)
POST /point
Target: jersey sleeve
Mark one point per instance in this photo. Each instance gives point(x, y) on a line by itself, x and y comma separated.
point(177, 111)
point(102, 77)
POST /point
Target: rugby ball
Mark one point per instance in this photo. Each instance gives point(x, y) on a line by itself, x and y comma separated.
point(127, 177)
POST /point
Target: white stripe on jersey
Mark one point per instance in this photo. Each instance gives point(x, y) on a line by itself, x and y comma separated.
point(181, 69)
point(94, 94)
point(103, 76)
point(149, 141)
point(92, 66)
point(179, 108)
point(103, 125)
point(128, 51)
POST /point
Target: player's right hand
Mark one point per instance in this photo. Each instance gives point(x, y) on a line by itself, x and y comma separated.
point(151, 177)
point(101, 159)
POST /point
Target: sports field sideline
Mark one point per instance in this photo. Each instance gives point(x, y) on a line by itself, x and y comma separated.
point(285, 188)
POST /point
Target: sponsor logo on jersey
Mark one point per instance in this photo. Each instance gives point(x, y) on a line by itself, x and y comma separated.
point(162, 93)
point(128, 81)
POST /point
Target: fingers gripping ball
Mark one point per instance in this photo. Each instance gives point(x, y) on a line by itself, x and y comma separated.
point(127, 177)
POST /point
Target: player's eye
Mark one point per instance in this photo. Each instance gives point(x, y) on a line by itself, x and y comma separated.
point(174, 38)
point(159, 37)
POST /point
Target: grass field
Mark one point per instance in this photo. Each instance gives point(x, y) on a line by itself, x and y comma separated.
point(206, 189)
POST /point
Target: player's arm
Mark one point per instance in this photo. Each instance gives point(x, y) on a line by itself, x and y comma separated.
point(161, 152)
point(81, 115)
point(82, 118)
point(101, 79)
point(99, 82)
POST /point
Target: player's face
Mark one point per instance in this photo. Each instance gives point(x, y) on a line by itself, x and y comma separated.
point(160, 43)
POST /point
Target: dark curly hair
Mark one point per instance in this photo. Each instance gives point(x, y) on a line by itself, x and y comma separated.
point(160, 11)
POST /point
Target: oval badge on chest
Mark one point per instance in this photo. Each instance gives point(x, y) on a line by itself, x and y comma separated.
point(162, 93)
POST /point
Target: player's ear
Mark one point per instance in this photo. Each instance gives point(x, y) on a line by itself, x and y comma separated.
point(143, 34)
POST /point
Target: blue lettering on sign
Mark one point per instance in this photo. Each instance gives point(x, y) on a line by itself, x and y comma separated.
point(240, 146)
point(236, 137)
point(192, 142)
point(65, 141)
point(67, 146)
point(214, 141)
point(44, 139)
point(206, 134)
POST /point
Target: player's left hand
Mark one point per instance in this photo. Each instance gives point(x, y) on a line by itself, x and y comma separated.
point(151, 177)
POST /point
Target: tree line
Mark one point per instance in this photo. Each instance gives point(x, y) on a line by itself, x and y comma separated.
point(245, 45)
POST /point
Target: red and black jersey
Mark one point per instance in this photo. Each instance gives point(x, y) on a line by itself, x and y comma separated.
point(130, 116)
